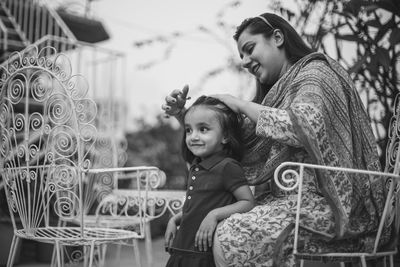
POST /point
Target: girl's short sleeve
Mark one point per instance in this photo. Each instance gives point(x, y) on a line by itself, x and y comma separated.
point(233, 175)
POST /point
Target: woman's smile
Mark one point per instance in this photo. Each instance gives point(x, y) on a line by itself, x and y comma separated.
point(255, 68)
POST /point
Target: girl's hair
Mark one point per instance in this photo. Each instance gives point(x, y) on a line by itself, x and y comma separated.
point(294, 45)
point(230, 122)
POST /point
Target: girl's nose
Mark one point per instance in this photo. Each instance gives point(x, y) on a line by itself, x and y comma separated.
point(194, 136)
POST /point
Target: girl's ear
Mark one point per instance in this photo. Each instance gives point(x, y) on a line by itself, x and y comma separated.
point(278, 37)
point(225, 140)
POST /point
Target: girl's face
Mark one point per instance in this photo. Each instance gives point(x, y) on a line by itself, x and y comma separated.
point(262, 57)
point(203, 131)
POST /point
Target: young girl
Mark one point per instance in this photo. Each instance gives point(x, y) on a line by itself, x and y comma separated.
point(216, 185)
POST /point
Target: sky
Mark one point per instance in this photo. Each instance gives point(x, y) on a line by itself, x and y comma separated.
point(130, 21)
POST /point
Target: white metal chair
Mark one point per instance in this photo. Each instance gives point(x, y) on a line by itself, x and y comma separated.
point(47, 135)
point(291, 174)
point(115, 208)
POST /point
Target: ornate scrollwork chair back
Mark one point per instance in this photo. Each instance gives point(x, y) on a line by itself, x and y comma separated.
point(289, 176)
point(47, 135)
point(392, 207)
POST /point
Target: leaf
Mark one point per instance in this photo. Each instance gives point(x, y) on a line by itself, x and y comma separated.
point(383, 57)
point(374, 23)
point(349, 37)
point(353, 6)
point(389, 6)
point(394, 37)
point(373, 65)
point(369, 8)
point(357, 66)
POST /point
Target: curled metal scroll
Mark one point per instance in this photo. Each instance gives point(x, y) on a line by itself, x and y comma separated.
point(58, 134)
point(288, 180)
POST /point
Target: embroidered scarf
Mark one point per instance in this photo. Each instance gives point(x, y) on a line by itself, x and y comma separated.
point(331, 122)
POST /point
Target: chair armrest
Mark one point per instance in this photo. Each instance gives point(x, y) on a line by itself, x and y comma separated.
point(156, 177)
point(294, 178)
point(123, 207)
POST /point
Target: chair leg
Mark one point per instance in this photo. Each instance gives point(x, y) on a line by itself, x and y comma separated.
point(13, 250)
point(363, 261)
point(102, 254)
point(58, 253)
point(85, 258)
point(149, 246)
point(54, 257)
point(118, 251)
point(391, 260)
point(91, 255)
point(136, 252)
point(301, 263)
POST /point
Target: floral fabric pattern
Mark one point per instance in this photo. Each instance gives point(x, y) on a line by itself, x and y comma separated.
point(312, 115)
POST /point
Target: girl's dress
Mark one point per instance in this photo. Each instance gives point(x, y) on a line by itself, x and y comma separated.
point(210, 186)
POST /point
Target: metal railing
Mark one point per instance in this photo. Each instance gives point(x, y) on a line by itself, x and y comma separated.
point(35, 19)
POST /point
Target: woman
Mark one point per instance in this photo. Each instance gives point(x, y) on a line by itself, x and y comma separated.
point(306, 109)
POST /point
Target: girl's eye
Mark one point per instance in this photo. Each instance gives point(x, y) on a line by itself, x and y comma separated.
point(203, 129)
point(188, 130)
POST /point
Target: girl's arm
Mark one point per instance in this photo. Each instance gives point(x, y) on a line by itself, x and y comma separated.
point(245, 202)
point(175, 103)
point(172, 227)
point(177, 218)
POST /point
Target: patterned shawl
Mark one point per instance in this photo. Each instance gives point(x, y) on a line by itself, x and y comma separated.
point(329, 119)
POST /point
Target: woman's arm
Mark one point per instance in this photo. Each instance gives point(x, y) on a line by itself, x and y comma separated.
point(271, 122)
point(250, 109)
point(245, 202)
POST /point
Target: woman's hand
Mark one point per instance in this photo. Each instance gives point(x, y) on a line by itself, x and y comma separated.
point(204, 235)
point(234, 103)
point(170, 233)
point(175, 102)
point(250, 109)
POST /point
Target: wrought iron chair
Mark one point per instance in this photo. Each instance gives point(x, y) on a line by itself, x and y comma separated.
point(289, 176)
point(47, 135)
point(114, 208)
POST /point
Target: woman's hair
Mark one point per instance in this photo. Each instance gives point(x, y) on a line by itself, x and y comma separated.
point(231, 124)
point(294, 45)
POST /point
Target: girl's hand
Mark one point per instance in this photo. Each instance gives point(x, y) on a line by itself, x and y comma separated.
point(170, 234)
point(204, 235)
point(175, 102)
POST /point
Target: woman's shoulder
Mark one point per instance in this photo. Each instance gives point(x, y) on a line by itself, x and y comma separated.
point(317, 69)
point(317, 63)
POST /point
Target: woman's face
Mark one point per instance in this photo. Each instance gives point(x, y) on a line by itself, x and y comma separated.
point(262, 57)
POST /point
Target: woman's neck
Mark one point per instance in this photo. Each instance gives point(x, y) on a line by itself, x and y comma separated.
point(285, 67)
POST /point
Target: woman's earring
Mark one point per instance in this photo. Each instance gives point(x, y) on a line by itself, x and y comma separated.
point(225, 141)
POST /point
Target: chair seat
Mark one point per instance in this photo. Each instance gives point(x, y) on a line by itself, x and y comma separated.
point(343, 257)
point(73, 236)
point(106, 221)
